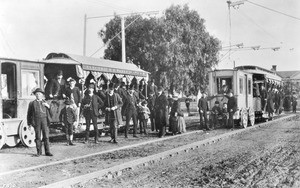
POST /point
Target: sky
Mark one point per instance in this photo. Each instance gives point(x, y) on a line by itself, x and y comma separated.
point(32, 29)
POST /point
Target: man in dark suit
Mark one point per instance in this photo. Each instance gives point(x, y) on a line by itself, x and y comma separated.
point(152, 87)
point(161, 112)
point(113, 104)
point(130, 106)
point(57, 87)
point(151, 103)
point(203, 108)
point(91, 104)
point(38, 117)
point(231, 108)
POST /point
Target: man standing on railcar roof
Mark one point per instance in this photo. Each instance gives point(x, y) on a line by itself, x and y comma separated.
point(38, 115)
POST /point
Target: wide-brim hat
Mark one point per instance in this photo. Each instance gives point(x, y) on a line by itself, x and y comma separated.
point(38, 90)
point(160, 88)
point(68, 102)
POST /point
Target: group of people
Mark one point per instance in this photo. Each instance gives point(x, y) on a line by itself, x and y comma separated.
point(225, 114)
point(116, 103)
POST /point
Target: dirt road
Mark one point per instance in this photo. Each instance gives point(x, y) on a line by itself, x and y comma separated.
point(264, 157)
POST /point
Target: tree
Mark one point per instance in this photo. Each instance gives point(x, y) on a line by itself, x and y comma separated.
point(175, 48)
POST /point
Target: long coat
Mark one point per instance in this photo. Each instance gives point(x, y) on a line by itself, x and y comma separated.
point(95, 102)
point(117, 101)
point(76, 94)
point(161, 110)
point(33, 113)
point(270, 102)
point(203, 104)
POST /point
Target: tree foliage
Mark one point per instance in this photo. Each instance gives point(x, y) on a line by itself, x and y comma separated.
point(175, 48)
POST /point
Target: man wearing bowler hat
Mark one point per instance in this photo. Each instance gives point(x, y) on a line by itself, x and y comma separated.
point(38, 116)
point(161, 112)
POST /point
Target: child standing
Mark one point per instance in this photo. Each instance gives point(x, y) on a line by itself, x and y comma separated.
point(144, 117)
point(68, 118)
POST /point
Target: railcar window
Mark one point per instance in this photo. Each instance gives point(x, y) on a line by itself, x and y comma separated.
point(241, 86)
point(4, 89)
point(30, 81)
point(249, 87)
point(224, 85)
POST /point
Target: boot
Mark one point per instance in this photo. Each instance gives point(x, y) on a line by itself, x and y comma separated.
point(68, 139)
point(47, 147)
point(38, 147)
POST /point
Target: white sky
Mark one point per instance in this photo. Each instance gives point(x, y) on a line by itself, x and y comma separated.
point(32, 29)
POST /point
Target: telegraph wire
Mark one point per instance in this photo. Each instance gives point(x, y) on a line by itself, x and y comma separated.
point(273, 10)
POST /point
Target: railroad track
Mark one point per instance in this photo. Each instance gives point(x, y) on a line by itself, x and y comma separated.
point(135, 161)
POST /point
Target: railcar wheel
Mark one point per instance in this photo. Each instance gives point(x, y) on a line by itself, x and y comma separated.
point(251, 117)
point(244, 118)
point(27, 135)
point(12, 141)
point(2, 136)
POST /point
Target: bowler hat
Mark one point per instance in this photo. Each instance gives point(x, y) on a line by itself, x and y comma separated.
point(38, 90)
point(111, 86)
point(59, 73)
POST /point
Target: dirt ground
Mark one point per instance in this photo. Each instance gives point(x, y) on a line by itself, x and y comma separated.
point(264, 157)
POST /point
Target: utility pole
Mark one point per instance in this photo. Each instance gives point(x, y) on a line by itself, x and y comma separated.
point(123, 28)
point(84, 35)
point(234, 5)
point(123, 39)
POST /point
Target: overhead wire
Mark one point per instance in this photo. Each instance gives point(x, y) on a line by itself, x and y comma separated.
point(270, 9)
point(114, 37)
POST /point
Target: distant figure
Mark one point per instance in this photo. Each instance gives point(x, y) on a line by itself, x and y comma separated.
point(294, 103)
point(57, 87)
point(264, 96)
point(161, 112)
point(152, 87)
point(144, 116)
point(216, 112)
point(176, 120)
point(188, 100)
point(270, 103)
point(151, 103)
point(231, 108)
point(203, 108)
point(38, 115)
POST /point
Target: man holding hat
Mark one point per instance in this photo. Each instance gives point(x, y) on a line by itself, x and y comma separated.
point(38, 115)
point(161, 112)
point(113, 104)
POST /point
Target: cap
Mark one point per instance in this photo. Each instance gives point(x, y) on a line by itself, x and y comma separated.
point(38, 90)
point(217, 102)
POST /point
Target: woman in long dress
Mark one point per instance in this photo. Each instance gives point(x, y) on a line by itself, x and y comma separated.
point(177, 122)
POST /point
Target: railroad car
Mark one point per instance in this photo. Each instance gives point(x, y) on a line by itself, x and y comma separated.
point(19, 78)
point(245, 82)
